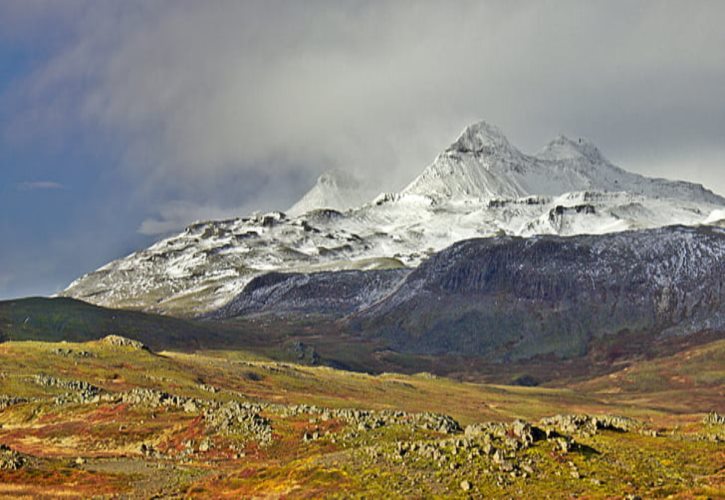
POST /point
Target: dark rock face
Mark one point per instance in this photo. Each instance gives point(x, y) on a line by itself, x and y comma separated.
point(327, 293)
point(510, 298)
point(513, 298)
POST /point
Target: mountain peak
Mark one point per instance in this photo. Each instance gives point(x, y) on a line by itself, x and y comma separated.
point(481, 163)
point(335, 189)
point(564, 148)
point(480, 137)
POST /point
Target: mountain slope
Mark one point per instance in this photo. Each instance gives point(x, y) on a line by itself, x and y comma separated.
point(480, 186)
point(325, 293)
point(64, 319)
point(510, 298)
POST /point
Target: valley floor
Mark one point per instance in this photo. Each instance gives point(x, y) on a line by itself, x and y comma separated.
point(110, 418)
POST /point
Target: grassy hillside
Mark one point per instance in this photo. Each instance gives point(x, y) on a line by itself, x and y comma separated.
point(73, 320)
point(98, 418)
point(315, 340)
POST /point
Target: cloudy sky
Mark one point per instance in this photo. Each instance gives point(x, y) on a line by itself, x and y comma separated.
point(120, 121)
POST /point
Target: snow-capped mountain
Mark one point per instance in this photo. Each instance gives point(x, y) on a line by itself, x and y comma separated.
point(481, 185)
point(336, 190)
point(482, 163)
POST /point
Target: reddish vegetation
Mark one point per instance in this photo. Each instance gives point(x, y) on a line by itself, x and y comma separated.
point(63, 482)
point(108, 413)
point(193, 430)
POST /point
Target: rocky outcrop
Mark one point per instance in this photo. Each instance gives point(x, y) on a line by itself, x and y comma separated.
point(11, 459)
point(8, 401)
point(589, 424)
point(78, 391)
point(241, 419)
point(365, 420)
point(119, 341)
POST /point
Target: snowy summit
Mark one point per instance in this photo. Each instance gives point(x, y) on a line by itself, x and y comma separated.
point(479, 186)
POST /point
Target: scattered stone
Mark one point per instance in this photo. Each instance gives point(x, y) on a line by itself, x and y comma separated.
point(80, 391)
point(146, 449)
point(589, 425)
point(152, 398)
point(507, 466)
point(70, 353)
point(526, 433)
point(714, 418)
point(465, 485)
point(8, 401)
point(365, 420)
point(73, 385)
point(11, 459)
point(649, 432)
point(240, 418)
point(190, 407)
point(564, 444)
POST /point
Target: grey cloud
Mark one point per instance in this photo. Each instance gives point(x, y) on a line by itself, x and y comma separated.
point(204, 92)
point(176, 214)
point(259, 192)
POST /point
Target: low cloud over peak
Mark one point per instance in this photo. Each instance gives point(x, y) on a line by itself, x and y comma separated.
point(201, 91)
